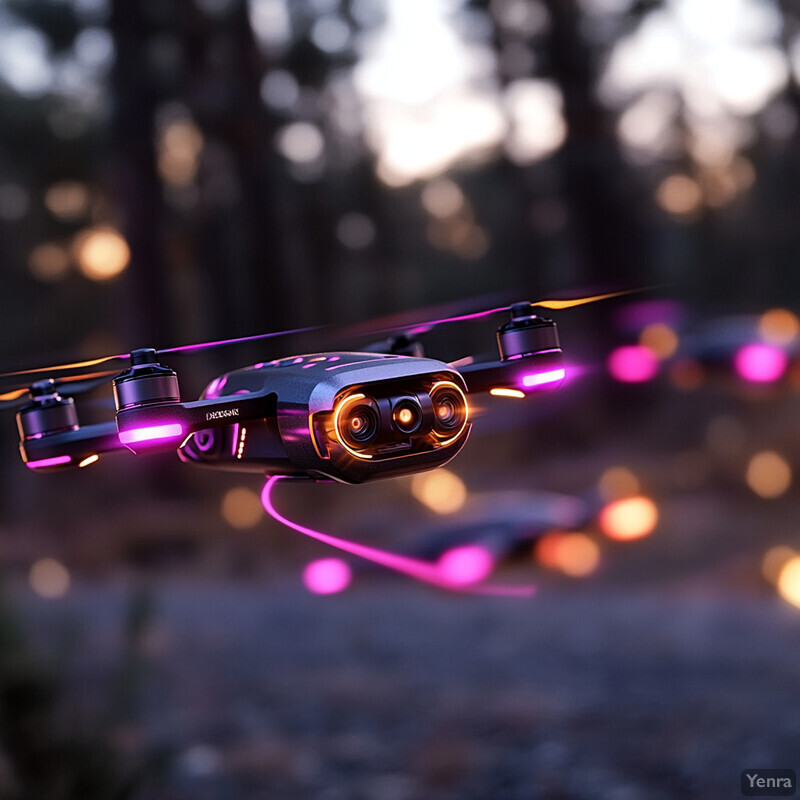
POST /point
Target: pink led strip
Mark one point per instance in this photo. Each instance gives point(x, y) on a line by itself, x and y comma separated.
point(153, 433)
point(540, 378)
point(48, 462)
point(420, 570)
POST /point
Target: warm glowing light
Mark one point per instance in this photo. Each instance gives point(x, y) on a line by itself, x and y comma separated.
point(507, 393)
point(327, 576)
point(89, 460)
point(630, 518)
point(542, 378)
point(49, 262)
point(101, 253)
point(774, 560)
point(632, 364)
point(680, 195)
point(48, 462)
point(760, 363)
point(465, 565)
point(789, 581)
point(241, 508)
point(618, 482)
point(442, 198)
point(768, 474)
point(779, 326)
point(575, 554)
point(442, 491)
point(179, 147)
point(337, 416)
point(67, 200)
point(687, 375)
point(153, 433)
point(405, 416)
point(660, 339)
point(49, 578)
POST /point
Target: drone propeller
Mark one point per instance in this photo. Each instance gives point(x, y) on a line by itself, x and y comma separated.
point(415, 329)
point(70, 386)
point(122, 357)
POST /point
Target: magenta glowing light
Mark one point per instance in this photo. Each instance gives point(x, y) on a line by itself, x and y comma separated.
point(414, 568)
point(466, 565)
point(542, 378)
point(633, 363)
point(760, 363)
point(48, 462)
point(327, 576)
point(151, 434)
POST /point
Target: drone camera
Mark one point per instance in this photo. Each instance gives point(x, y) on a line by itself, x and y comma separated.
point(390, 420)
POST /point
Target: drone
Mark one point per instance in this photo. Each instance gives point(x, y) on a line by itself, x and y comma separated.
point(339, 416)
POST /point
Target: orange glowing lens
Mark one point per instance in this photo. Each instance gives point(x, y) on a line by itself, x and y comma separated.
point(405, 416)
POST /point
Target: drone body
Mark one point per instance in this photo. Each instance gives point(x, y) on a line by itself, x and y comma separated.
point(344, 416)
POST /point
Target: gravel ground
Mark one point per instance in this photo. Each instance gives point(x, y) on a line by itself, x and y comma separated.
point(394, 692)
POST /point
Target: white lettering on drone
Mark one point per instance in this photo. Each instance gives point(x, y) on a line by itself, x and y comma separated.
point(222, 414)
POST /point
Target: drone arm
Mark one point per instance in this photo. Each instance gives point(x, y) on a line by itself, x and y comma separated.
point(523, 374)
point(78, 447)
point(164, 426)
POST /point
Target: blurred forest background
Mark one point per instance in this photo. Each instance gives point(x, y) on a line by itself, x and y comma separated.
point(177, 171)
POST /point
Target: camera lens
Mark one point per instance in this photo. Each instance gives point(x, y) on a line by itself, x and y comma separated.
point(449, 408)
point(360, 424)
point(407, 416)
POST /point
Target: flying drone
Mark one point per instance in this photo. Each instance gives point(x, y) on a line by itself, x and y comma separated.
point(339, 416)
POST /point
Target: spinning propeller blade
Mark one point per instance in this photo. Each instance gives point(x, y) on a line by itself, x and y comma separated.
point(60, 368)
point(414, 329)
point(71, 386)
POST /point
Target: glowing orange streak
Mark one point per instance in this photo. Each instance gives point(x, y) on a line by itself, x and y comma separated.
point(557, 305)
point(13, 395)
point(61, 367)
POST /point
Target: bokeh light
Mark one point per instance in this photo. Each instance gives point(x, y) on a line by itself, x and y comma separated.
point(327, 576)
point(680, 195)
point(101, 253)
point(632, 364)
point(768, 474)
point(687, 375)
point(300, 142)
point(49, 262)
point(659, 338)
point(760, 363)
point(442, 198)
point(789, 581)
point(629, 518)
point(575, 554)
point(442, 491)
point(617, 482)
point(241, 508)
point(179, 147)
point(779, 326)
point(774, 560)
point(67, 200)
point(49, 578)
point(465, 565)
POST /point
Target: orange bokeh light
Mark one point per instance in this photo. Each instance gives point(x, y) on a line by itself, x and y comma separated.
point(574, 554)
point(631, 518)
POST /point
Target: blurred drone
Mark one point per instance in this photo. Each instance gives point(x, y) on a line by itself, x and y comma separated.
point(343, 416)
